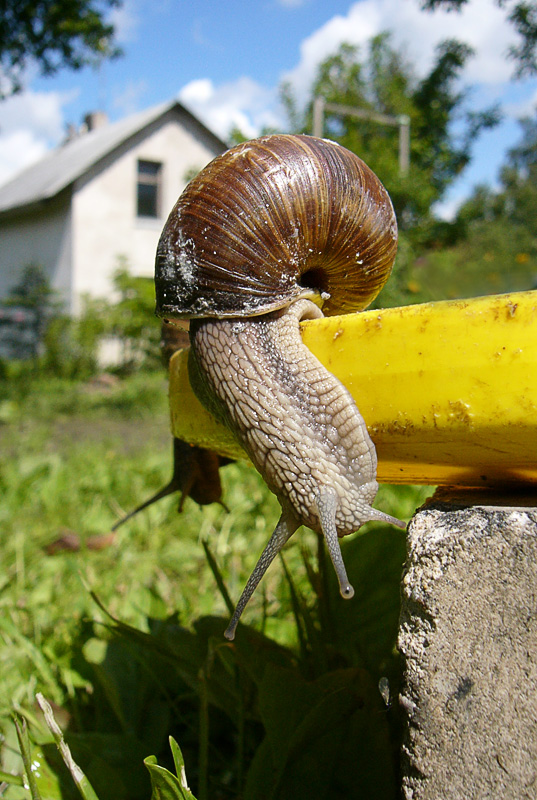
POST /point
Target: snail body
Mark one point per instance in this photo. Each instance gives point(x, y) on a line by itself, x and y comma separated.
point(265, 235)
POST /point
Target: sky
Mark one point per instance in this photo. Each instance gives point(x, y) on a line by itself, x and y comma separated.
point(226, 60)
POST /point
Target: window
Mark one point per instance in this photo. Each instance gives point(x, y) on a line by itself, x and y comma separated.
point(148, 189)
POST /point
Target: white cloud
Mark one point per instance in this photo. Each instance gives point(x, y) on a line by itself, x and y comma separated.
point(481, 24)
point(243, 103)
point(19, 149)
point(126, 22)
point(362, 22)
point(198, 92)
point(249, 106)
point(30, 124)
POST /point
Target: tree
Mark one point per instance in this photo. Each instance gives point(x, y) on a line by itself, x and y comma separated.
point(52, 34)
point(511, 209)
point(515, 202)
point(522, 15)
point(36, 303)
point(132, 318)
point(492, 244)
point(384, 81)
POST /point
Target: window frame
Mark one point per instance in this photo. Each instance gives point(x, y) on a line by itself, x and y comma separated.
point(151, 179)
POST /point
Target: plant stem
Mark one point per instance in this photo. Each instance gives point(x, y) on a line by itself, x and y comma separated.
point(203, 752)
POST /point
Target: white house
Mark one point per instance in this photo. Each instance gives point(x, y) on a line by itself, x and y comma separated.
point(102, 195)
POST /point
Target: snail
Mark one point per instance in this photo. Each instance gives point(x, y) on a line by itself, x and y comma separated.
point(195, 470)
point(274, 231)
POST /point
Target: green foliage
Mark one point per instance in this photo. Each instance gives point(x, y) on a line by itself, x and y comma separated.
point(236, 136)
point(69, 347)
point(132, 319)
point(34, 295)
point(34, 292)
point(440, 103)
point(25, 748)
point(494, 258)
point(492, 244)
point(518, 179)
point(82, 783)
point(190, 173)
point(59, 345)
point(383, 81)
point(292, 704)
point(53, 34)
point(71, 344)
point(165, 785)
point(284, 723)
point(523, 17)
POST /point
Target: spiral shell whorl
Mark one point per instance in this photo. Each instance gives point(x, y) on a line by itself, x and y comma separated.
point(272, 220)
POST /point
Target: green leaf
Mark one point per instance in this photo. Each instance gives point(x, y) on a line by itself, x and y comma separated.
point(113, 762)
point(26, 753)
point(211, 560)
point(366, 626)
point(82, 783)
point(165, 785)
point(41, 780)
point(178, 760)
point(324, 739)
point(7, 777)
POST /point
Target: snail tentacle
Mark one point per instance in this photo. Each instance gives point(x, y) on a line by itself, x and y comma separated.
point(326, 503)
point(380, 516)
point(282, 533)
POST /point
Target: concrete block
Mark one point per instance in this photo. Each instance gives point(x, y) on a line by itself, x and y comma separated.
point(468, 634)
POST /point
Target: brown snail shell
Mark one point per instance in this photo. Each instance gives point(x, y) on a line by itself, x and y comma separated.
point(272, 220)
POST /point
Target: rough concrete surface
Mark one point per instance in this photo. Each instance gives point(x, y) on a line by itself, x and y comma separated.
point(468, 634)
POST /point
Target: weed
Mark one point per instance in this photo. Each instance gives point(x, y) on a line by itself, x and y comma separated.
point(124, 633)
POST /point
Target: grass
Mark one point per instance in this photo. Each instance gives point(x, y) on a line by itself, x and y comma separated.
point(77, 463)
point(78, 456)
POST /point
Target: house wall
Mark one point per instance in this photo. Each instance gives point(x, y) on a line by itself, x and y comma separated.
point(42, 237)
point(105, 225)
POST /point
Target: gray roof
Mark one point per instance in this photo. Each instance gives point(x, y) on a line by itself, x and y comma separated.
point(60, 168)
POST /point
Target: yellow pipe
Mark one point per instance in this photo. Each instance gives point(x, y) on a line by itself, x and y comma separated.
point(448, 390)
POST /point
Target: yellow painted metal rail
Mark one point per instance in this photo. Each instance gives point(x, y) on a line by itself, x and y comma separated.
point(448, 390)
